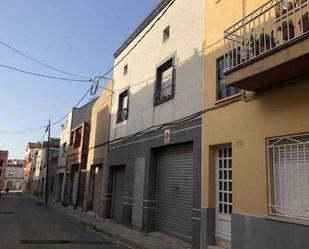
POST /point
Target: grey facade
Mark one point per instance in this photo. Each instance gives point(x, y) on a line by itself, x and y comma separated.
point(140, 156)
point(267, 234)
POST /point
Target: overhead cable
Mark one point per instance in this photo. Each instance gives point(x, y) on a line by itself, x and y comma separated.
point(41, 63)
point(43, 75)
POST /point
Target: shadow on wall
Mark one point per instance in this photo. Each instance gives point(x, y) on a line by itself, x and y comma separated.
point(143, 113)
point(101, 132)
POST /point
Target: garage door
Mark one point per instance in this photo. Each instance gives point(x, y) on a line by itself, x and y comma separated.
point(175, 191)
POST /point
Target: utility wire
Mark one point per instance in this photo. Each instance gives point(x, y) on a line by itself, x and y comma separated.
point(77, 104)
point(31, 130)
point(43, 75)
point(41, 63)
point(45, 132)
point(27, 131)
point(90, 80)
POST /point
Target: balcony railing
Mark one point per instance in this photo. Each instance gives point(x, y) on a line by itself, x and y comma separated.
point(268, 28)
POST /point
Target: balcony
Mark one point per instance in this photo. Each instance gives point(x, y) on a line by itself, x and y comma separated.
point(268, 47)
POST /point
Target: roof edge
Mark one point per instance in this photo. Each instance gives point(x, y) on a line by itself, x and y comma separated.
point(142, 26)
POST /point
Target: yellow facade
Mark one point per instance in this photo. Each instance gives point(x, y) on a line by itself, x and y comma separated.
point(245, 120)
point(97, 151)
point(99, 131)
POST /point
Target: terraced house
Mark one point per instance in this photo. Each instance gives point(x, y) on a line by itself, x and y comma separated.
point(154, 159)
point(255, 126)
point(96, 178)
point(77, 154)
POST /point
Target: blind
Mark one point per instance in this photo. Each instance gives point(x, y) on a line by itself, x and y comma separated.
point(290, 176)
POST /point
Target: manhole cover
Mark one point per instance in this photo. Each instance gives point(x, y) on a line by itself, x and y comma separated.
point(61, 242)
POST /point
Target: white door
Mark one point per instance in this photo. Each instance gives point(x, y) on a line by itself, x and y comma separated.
point(224, 192)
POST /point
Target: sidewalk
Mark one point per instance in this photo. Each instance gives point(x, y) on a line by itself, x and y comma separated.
point(126, 235)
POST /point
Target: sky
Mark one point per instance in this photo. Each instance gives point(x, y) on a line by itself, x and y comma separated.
point(77, 36)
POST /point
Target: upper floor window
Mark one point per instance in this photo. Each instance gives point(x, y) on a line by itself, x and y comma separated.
point(64, 149)
point(166, 34)
point(223, 90)
point(125, 70)
point(165, 82)
point(123, 107)
point(72, 138)
point(1, 162)
point(11, 173)
point(78, 137)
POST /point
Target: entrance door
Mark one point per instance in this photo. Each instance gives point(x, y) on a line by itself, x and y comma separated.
point(91, 187)
point(118, 192)
point(224, 192)
point(75, 187)
point(59, 186)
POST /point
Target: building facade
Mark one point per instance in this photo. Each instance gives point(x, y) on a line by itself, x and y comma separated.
point(62, 158)
point(255, 127)
point(96, 178)
point(76, 166)
point(38, 172)
point(30, 149)
point(154, 161)
point(14, 175)
point(3, 162)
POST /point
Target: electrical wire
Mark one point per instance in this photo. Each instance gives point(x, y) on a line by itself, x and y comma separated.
point(43, 75)
point(31, 130)
point(27, 131)
point(41, 63)
point(77, 104)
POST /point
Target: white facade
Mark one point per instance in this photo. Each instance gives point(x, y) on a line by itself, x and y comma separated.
point(14, 174)
point(64, 143)
point(185, 21)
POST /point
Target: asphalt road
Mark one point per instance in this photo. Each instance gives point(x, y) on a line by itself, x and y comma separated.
point(27, 224)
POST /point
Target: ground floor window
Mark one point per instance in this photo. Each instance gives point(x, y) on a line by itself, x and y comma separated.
point(288, 169)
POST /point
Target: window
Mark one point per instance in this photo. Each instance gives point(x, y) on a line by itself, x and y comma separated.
point(123, 107)
point(11, 173)
point(0, 172)
point(72, 138)
point(1, 162)
point(166, 34)
point(223, 90)
point(288, 167)
point(64, 149)
point(78, 137)
point(165, 82)
point(125, 70)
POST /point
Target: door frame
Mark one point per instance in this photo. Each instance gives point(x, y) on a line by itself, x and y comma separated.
point(225, 217)
point(113, 172)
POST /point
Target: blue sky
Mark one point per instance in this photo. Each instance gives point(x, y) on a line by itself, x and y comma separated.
point(77, 36)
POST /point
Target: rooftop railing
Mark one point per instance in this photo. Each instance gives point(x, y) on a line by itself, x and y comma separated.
point(275, 24)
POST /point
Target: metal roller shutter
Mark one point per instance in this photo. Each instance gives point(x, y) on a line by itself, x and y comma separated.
point(175, 191)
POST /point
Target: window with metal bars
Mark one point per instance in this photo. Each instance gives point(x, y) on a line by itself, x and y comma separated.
point(165, 82)
point(123, 106)
point(288, 169)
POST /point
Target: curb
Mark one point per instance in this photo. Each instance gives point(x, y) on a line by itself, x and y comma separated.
point(116, 236)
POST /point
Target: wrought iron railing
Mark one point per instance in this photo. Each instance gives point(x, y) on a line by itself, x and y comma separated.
point(274, 24)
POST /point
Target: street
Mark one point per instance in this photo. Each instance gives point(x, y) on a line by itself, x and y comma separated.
point(25, 223)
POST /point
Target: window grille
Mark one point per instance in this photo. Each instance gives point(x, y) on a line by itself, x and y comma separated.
point(288, 165)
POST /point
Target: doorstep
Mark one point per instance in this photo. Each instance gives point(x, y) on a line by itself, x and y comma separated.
point(123, 234)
